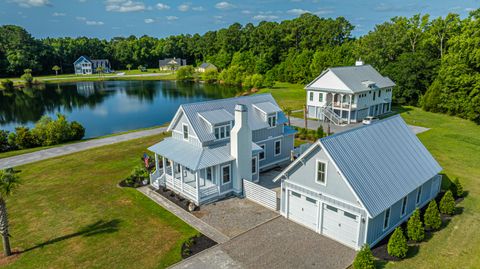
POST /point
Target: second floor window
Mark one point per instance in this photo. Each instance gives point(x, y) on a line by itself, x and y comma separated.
point(278, 147)
point(379, 93)
point(311, 96)
point(261, 155)
point(272, 121)
point(222, 132)
point(321, 172)
point(404, 206)
point(320, 97)
point(374, 96)
point(419, 195)
point(386, 219)
point(185, 132)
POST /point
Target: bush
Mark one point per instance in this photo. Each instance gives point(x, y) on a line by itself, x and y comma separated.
point(447, 204)
point(457, 188)
point(415, 230)
point(397, 244)
point(432, 216)
point(24, 138)
point(210, 75)
point(138, 174)
point(27, 76)
point(4, 145)
point(77, 131)
point(320, 132)
point(185, 73)
point(7, 84)
point(257, 81)
point(364, 259)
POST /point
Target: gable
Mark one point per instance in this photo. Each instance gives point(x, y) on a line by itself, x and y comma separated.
point(81, 59)
point(329, 81)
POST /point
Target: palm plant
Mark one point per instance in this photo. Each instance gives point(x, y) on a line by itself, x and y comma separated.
point(56, 68)
point(288, 111)
point(129, 66)
point(8, 182)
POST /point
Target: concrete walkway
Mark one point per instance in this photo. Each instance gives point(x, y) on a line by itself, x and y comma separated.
point(190, 219)
point(71, 148)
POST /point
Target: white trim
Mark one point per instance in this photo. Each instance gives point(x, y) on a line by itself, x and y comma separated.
point(221, 174)
point(256, 165)
point(385, 216)
point(264, 151)
point(299, 159)
point(276, 120)
point(324, 183)
point(275, 154)
point(275, 162)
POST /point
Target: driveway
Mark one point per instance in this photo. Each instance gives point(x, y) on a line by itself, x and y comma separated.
point(279, 243)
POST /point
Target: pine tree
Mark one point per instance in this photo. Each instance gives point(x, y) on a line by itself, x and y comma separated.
point(364, 259)
point(432, 216)
point(458, 188)
point(397, 244)
point(415, 230)
point(447, 204)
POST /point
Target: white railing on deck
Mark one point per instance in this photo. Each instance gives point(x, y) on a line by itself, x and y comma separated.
point(331, 115)
point(208, 191)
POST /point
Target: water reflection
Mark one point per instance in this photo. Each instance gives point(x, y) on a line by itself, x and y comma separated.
point(105, 107)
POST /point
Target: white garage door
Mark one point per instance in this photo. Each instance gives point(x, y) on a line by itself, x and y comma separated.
point(340, 225)
point(303, 210)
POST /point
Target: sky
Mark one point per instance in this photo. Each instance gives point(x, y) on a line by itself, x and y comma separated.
point(110, 18)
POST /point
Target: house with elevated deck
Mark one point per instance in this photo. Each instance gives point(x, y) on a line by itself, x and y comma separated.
point(217, 144)
point(357, 186)
point(348, 94)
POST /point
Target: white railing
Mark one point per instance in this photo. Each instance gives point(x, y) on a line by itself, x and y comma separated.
point(209, 191)
point(175, 184)
point(260, 195)
point(331, 115)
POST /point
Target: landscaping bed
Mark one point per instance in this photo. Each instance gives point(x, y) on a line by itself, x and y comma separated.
point(196, 245)
point(175, 198)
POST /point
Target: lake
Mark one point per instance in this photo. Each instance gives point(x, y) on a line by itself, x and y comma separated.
point(105, 107)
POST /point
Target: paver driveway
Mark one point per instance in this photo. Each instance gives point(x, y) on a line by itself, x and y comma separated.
point(279, 243)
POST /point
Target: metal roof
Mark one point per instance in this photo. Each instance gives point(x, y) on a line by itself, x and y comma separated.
point(195, 157)
point(256, 119)
point(356, 78)
point(267, 107)
point(382, 162)
point(207, 65)
point(217, 116)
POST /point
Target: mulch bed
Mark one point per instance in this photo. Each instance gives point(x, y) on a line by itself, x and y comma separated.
point(380, 251)
point(175, 198)
point(196, 245)
point(123, 184)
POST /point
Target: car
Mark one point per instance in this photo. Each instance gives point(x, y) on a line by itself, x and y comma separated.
point(369, 120)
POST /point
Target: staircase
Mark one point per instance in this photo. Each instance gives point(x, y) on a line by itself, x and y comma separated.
point(331, 115)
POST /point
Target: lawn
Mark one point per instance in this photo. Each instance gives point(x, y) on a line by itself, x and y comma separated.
point(455, 144)
point(69, 213)
point(287, 94)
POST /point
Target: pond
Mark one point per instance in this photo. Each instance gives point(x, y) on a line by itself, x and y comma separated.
point(105, 107)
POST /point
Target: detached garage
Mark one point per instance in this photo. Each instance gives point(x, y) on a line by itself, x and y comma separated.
point(356, 187)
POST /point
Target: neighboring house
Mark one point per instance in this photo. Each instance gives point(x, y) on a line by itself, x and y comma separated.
point(349, 94)
point(206, 66)
point(216, 144)
point(171, 63)
point(87, 66)
point(357, 186)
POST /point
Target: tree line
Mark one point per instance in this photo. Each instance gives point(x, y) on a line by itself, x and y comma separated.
point(434, 61)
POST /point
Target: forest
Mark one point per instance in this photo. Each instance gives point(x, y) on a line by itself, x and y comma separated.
point(435, 62)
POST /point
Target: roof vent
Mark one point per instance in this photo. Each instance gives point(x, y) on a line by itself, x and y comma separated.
point(359, 62)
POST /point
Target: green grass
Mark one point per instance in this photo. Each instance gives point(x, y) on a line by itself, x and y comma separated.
point(287, 94)
point(69, 213)
point(455, 144)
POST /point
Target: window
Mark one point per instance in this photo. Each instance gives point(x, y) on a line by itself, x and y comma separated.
point(320, 97)
point(311, 96)
point(272, 121)
point(419, 194)
point(222, 132)
point(278, 147)
point(374, 96)
point(185, 131)
point(226, 174)
point(386, 219)
point(349, 215)
point(227, 130)
point(321, 166)
point(296, 194)
point(261, 155)
point(209, 173)
point(254, 165)
point(217, 133)
point(404, 206)
point(379, 93)
point(313, 201)
point(331, 208)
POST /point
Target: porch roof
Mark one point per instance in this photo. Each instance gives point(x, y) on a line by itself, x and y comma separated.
point(194, 157)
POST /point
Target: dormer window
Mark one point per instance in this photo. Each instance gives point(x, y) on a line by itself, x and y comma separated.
point(222, 132)
point(272, 120)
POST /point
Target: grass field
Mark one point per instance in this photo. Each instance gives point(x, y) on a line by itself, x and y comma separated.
point(69, 213)
point(287, 94)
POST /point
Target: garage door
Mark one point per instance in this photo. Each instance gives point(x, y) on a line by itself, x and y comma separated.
point(340, 225)
point(303, 210)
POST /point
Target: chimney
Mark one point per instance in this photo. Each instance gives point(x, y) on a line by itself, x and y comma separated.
point(241, 148)
point(359, 62)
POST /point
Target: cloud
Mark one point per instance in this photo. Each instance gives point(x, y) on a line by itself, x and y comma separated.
point(82, 1)
point(383, 7)
point(183, 7)
point(59, 14)
point(94, 23)
point(468, 9)
point(32, 3)
point(297, 11)
point(199, 8)
point(124, 6)
point(171, 18)
point(81, 18)
point(246, 12)
point(148, 21)
point(323, 11)
point(162, 6)
point(264, 17)
point(224, 5)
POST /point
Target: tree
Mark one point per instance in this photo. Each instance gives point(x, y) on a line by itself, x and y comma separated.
point(27, 76)
point(186, 73)
point(457, 188)
point(442, 30)
point(431, 216)
point(447, 203)
point(397, 244)
point(210, 75)
point(364, 259)
point(7, 85)
point(4, 146)
point(288, 111)
point(129, 66)
point(319, 133)
point(100, 70)
point(24, 138)
point(56, 68)
point(9, 181)
point(415, 230)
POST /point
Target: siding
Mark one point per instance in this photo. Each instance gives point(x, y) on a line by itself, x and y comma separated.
point(375, 225)
point(305, 175)
point(177, 131)
point(266, 133)
point(286, 148)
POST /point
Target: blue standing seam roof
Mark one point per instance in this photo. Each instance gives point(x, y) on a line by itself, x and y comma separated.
point(383, 162)
point(217, 116)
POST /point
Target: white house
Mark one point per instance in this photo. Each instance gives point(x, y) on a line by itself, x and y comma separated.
point(86, 66)
point(205, 66)
point(169, 64)
point(349, 94)
point(217, 144)
point(357, 186)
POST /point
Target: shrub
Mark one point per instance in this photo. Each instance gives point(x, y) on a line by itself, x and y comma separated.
point(7, 84)
point(185, 73)
point(27, 76)
point(432, 216)
point(457, 188)
point(447, 204)
point(4, 145)
point(257, 81)
point(397, 244)
point(210, 75)
point(24, 138)
point(320, 132)
point(50, 132)
point(77, 131)
point(415, 230)
point(364, 259)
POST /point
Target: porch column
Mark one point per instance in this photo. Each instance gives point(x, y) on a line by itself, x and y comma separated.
point(156, 163)
point(164, 162)
point(197, 186)
point(181, 176)
point(350, 109)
